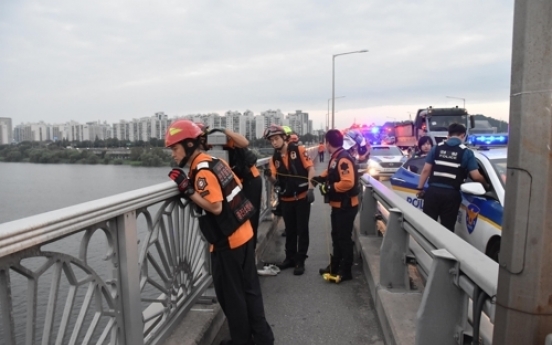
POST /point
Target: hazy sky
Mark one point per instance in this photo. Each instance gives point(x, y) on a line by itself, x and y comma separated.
point(64, 60)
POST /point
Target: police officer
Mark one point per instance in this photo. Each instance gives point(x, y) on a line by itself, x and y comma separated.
point(292, 170)
point(225, 224)
point(447, 165)
point(340, 183)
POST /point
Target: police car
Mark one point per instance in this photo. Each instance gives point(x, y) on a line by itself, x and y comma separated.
point(479, 220)
point(384, 160)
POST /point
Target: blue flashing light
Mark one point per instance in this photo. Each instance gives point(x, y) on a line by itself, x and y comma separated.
point(488, 140)
point(375, 130)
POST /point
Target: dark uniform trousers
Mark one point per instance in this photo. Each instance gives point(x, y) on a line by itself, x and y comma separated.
point(239, 293)
point(442, 203)
point(342, 221)
point(253, 189)
point(296, 217)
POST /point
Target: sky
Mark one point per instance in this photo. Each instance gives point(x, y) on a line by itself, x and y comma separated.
point(112, 60)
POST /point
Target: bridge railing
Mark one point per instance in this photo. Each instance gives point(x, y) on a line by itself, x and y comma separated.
point(119, 270)
point(460, 291)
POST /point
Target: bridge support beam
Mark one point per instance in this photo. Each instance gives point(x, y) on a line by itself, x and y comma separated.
point(393, 267)
point(443, 311)
point(524, 297)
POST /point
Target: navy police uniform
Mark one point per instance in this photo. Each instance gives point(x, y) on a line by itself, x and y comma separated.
point(451, 162)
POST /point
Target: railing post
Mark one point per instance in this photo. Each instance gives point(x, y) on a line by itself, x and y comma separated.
point(393, 268)
point(129, 280)
point(368, 213)
point(443, 310)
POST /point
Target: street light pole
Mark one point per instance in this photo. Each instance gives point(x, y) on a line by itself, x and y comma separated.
point(328, 113)
point(463, 99)
point(333, 80)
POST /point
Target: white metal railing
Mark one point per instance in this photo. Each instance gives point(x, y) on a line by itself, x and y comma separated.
point(119, 270)
point(461, 281)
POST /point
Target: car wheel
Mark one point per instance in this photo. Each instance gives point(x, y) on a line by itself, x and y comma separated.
point(493, 248)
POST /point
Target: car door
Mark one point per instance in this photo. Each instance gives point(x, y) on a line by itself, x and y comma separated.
point(479, 217)
point(405, 181)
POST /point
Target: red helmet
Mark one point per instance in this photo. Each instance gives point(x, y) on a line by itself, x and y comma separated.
point(181, 130)
point(273, 130)
point(293, 138)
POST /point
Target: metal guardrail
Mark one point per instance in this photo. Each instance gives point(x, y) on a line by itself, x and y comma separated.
point(118, 270)
point(460, 281)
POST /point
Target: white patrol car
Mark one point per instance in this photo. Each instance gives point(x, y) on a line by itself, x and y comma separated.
point(480, 217)
point(384, 160)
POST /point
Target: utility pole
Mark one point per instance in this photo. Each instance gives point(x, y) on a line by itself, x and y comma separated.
point(524, 297)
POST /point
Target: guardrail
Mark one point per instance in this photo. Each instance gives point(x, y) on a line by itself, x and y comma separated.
point(118, 270)
point(461, 282)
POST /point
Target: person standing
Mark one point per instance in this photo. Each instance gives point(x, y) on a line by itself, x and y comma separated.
point(292, 170)
point(339, 182)
point(224, 222)
point(447, 165)
point(321, 151)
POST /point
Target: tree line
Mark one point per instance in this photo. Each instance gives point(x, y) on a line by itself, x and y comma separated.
point(54, 154)
point(150, 154)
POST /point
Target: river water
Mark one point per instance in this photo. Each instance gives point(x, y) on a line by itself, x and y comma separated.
point(28, 189)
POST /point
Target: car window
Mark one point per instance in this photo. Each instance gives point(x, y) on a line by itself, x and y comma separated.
point(385, 151)
point(415, 165)
point(499, 166)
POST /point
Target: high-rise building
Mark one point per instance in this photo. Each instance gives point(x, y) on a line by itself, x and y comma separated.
point(6, 130)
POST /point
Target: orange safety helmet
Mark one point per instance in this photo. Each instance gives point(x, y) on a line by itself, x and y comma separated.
point(181, 130)
point(293, 138)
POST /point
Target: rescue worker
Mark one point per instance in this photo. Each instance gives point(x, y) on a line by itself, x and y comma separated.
point(321, 151)
point(356, 145)
point(447, 165)
point(339, 183)
point(292, 170)
point(277, 211)
point(243, 164)
point(224, 222)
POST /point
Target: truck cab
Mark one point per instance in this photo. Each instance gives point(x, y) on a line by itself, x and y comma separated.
point(434, 122)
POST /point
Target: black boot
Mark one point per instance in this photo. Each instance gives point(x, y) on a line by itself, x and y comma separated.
point(299, 268)
point(345, 275)
point(332, 268)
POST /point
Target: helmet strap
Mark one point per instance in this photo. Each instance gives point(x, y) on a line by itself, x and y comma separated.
point(189, 145)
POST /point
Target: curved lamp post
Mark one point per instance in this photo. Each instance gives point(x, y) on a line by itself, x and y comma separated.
point(333, 80)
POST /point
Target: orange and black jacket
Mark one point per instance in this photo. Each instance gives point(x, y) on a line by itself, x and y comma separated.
point(342, 178)
point(215, 182)
point(291, 171)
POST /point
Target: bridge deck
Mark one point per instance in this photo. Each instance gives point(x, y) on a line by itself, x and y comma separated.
point(308, 310)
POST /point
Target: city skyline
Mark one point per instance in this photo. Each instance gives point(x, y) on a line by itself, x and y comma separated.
point(123, 60)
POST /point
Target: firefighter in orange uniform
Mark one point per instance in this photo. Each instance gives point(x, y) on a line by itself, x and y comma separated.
point(339, 185)
point(243, 164)
point(217, 192)
point(291, 170)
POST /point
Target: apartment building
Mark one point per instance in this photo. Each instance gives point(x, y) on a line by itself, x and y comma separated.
point(6, 130)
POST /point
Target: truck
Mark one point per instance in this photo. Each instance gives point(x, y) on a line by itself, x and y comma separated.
point(405, 136)
point(434, 122)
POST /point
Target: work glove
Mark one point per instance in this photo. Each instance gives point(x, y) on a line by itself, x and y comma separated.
point(310, 196)
point(184, 184)
point(324, 188)
point(316, 180)
point(268, 172)
point(420, 194)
